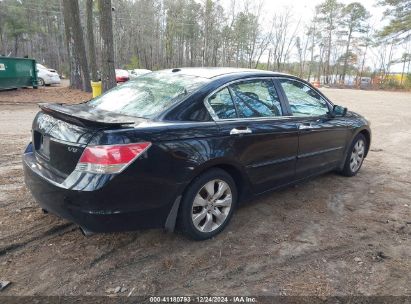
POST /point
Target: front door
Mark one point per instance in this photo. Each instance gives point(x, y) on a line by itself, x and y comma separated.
point(322, 138)
point(249, 113)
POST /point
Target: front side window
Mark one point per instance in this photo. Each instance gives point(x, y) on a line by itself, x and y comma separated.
point(303, 100)
point(147, 95)
point(222, 104)
point(256, 98)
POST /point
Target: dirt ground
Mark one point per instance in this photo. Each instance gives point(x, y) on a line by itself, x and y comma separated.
point(54, 93)
point(330, 236)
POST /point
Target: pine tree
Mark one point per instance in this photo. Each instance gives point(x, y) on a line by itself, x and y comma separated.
point(108, 76)
point(79, 74)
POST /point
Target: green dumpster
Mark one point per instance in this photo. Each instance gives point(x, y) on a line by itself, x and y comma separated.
point(17, 73)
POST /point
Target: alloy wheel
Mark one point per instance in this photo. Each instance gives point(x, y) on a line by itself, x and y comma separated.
point(211, 205)
point(357, 155)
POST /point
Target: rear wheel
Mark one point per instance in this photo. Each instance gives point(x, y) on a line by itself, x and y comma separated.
point(208, 204)
point(41, 82)
point(355, 156)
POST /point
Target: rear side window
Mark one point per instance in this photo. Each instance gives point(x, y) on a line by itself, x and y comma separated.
point(222, 104)
point(303, 100)
point(256, 98)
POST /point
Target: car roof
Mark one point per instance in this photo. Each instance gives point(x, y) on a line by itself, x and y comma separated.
point(212, 72)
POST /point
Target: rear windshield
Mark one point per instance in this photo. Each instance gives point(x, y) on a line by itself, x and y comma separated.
point(147, 95)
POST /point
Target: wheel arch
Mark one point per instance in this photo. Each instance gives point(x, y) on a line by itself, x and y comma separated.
point(234, 170)
point(366, 132)
point(367, 135)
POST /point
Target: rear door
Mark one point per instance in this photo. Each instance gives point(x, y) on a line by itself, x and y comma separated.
point(322, 139)
point(249, 114)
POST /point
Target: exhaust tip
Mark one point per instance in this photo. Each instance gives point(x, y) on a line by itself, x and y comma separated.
point(86, 232)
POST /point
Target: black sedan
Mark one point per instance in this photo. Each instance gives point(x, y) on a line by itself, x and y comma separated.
point(182, 147)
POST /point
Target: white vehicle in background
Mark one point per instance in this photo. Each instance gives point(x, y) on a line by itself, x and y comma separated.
point(137, 72)
point(45, 76)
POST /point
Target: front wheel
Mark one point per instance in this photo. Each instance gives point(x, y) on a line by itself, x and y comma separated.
point(40, 82)
point(355, 156)
point(208, 204)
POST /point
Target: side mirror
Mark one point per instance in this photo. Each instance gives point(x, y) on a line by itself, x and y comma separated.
point(338, 111)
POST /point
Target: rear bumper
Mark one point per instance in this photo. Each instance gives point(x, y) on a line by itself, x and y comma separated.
point(118, 205)
point(52, 80)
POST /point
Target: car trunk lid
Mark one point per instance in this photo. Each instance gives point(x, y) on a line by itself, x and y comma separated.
point(61, 132)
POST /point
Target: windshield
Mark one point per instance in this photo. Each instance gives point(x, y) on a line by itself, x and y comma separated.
point(147, 95)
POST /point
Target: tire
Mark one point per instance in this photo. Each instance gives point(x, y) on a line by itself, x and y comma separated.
point(213, 211)
point(41, 82)
point(355, 156)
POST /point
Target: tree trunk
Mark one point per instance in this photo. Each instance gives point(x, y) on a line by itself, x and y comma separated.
point(90, 38)
point(74, 65)
point(346, 56)
point(327, 71)
point(16, 44)
point(403, 69)
point(310, 67)
point(108, 75)
point(79, 74)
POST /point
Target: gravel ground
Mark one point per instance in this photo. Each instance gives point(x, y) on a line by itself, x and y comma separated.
point(54, 93)
point(330, 236)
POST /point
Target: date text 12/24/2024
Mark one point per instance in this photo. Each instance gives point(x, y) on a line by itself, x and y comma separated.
point(203, 299)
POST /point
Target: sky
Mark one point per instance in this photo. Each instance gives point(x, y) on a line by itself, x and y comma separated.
point(305, 8)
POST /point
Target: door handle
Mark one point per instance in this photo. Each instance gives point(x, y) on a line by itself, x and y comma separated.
point(305, 126)
point(237, 131)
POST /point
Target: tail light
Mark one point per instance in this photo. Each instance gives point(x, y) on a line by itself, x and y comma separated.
point(110, 159)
